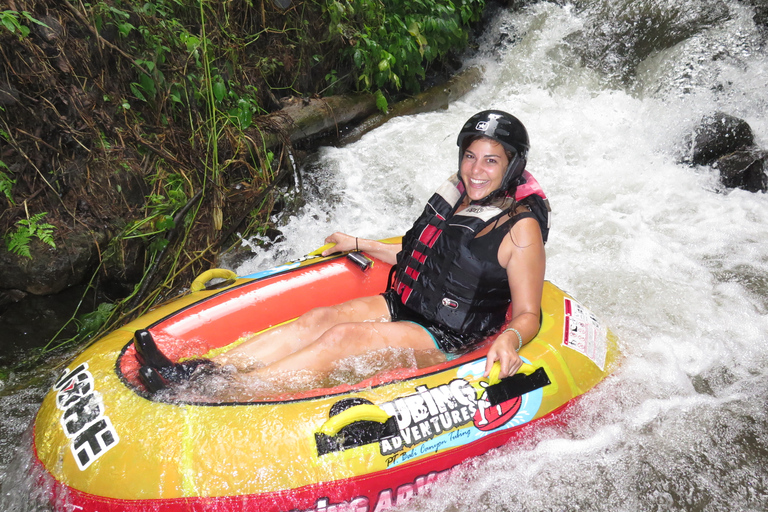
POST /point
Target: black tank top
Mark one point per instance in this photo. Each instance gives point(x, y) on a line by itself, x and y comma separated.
point(486, 247)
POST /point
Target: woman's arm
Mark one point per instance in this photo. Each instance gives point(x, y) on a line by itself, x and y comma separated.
point(522, 254)
point(385, 252)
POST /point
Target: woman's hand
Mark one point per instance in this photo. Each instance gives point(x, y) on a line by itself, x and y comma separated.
point(343, 243)
point(504, 350)
point(386, 252)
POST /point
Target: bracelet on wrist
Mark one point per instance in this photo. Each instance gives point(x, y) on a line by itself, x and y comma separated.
point(357, 248)
point(519, 337)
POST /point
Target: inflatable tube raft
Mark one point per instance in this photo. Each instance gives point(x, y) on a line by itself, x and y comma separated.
point(110, 446)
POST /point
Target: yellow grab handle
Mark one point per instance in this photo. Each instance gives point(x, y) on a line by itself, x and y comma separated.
point(319, 251)
point(199, 283)
point(362, 412)
point(493, 376)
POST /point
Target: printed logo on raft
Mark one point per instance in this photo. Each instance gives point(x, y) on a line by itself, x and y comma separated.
point(84, 421)
point(386, 499)
point(429, 412)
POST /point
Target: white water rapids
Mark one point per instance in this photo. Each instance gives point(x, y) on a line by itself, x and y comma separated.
point(675, 264)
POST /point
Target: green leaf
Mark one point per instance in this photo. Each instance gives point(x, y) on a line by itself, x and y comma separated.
point(158, 244)
point(18, 244)
point(381, 101)
point(125, 29)
point(149, 86)
point(9, 22)
point(165, 222)
point(219, 90)
point(244, 114)
point(192, 42)
point(137, 92)
point(91, 322)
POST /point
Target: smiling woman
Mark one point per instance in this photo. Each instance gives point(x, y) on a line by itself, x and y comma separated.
point(478, 246)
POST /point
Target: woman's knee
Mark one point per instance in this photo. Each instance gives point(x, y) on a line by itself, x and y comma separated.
point(347, 339)
point(340, 333)
point(317, 317)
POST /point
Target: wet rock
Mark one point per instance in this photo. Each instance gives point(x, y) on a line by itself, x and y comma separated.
point(50, 270)
point(719, 135)
point(8, 297)
point(744, 169)
point(727, 144)
point(621, 34)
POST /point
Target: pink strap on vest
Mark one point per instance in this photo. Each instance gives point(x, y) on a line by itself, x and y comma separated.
point(530, 187)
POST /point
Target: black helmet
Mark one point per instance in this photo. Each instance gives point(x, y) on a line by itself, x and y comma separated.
point(505, 129)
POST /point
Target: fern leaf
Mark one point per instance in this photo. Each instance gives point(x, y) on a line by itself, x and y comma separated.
point(6, 183)
point(44, 233)
point(18, 243)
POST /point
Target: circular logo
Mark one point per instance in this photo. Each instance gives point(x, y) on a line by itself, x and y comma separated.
point(489, 417)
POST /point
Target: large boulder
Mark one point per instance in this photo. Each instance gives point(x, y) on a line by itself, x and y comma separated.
point(719, 135)
point(727, 144)
point(50, 270)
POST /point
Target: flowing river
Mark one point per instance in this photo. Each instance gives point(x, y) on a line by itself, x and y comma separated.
point(673, 262)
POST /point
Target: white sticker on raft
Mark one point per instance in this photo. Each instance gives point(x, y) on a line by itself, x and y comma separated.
point(83, 419)
point(583, 332)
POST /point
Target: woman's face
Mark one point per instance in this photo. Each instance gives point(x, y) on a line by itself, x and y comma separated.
point(482, 167)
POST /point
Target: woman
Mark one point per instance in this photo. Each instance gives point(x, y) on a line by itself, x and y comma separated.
point(478, 245)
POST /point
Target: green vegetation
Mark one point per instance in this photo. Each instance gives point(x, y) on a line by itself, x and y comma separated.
point(26, 230)
point(392, 41)
point(6, 183)
point(10, 20)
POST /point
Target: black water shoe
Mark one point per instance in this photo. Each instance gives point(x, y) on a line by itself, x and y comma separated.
point(157, 371)
point(147, 352)
point(152, 379)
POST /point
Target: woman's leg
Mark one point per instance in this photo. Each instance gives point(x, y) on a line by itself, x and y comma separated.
point(275, 344)
point(353, 339)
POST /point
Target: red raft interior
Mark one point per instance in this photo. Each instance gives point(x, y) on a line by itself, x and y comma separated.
point(225, 317)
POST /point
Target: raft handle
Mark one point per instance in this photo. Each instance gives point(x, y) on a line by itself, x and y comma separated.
point(354, 422)
point(199, 284)
point(516, 385)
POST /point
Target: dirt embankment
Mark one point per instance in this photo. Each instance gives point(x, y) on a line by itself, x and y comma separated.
point(105, 124)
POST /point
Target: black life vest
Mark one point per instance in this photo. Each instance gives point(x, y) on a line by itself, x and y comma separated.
point(438, 276)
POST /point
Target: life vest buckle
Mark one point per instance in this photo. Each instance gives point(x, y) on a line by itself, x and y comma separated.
point(450, 303)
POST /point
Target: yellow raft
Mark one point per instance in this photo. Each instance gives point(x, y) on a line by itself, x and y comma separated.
point(109, 446)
